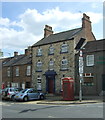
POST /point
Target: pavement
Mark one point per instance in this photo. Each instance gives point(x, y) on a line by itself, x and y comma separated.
point(58, 100)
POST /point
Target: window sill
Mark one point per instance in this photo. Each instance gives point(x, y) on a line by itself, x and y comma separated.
point(38, 70)
point(66, 69)
point(51, 54)
point(38, 55)
point(89, 65)
point(28, 75)
point(63, 52)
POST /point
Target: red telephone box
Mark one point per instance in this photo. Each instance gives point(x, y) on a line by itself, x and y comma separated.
point(68, 88)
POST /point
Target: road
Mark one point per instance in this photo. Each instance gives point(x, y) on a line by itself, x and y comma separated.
point(32, 110)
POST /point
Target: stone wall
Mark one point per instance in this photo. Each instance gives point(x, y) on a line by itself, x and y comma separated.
point(57, 57)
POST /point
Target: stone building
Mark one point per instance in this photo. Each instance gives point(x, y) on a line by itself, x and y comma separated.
point(53, 57)
point(16, 70)
point(94, 67)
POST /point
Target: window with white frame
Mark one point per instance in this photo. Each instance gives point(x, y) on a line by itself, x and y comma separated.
point(28, 70)
point(64, 48)
point(90, 60)
point(17, 71)
point(51, 50)
point(15, 85)
point(39, 52)
point(39, 66)
point(39, 86)
point(8, 72)
point(51, 64)
point(64, 64)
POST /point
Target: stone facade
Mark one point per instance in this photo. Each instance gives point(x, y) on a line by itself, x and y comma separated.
point(57, 58)
point(70, 38)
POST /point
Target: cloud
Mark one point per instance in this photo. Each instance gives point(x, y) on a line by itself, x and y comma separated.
point(95, 17)
point(95, 5)
point(29, 27)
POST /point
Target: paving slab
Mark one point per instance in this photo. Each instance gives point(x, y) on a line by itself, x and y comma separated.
point(58, 100)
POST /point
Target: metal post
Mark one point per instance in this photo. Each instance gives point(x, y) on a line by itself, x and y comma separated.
point(80, 92)
point(80, 74)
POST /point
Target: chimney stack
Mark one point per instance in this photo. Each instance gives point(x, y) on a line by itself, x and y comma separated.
point(86, 23)
point(28, 51)
point(47, 31)
point(15, 54)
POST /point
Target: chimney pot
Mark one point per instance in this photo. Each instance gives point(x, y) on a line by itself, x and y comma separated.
point(15, 53)
point(28, 51)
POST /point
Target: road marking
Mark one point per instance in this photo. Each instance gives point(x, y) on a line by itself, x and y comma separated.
point(50, 117)
point(5, 104)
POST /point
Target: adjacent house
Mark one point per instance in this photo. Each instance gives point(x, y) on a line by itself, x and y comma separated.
point(53, 57)
point(16, 70)
point(94, 67)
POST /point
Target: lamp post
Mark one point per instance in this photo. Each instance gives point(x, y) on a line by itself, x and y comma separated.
point(80, 73)
point(79, 48)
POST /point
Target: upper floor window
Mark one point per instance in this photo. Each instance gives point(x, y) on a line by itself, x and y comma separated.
point(64, 64)
point(39, 52)
point(90, 60)
point(17, 71)
point(51, 64)
point(8, 72)
point(51, 50)
point(39, 66)
point(28, 70)
point(64, 48)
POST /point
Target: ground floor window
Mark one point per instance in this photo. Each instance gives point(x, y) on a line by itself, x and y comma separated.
point(15, 85)
point(39, 87)
point(88, 81)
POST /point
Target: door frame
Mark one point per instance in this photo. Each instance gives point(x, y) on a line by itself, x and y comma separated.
point(50, 74)
point(47, 83)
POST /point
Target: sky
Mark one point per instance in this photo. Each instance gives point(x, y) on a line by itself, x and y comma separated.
point(22, 23)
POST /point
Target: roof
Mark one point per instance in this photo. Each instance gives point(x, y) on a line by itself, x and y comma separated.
point(93, 46)
point(62, 36)
point(17, 60)
point(24, 60)
point(12, 60)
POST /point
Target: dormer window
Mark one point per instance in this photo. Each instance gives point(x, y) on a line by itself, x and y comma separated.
point(39, 52)
point(64, 48)
point(51, 50)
